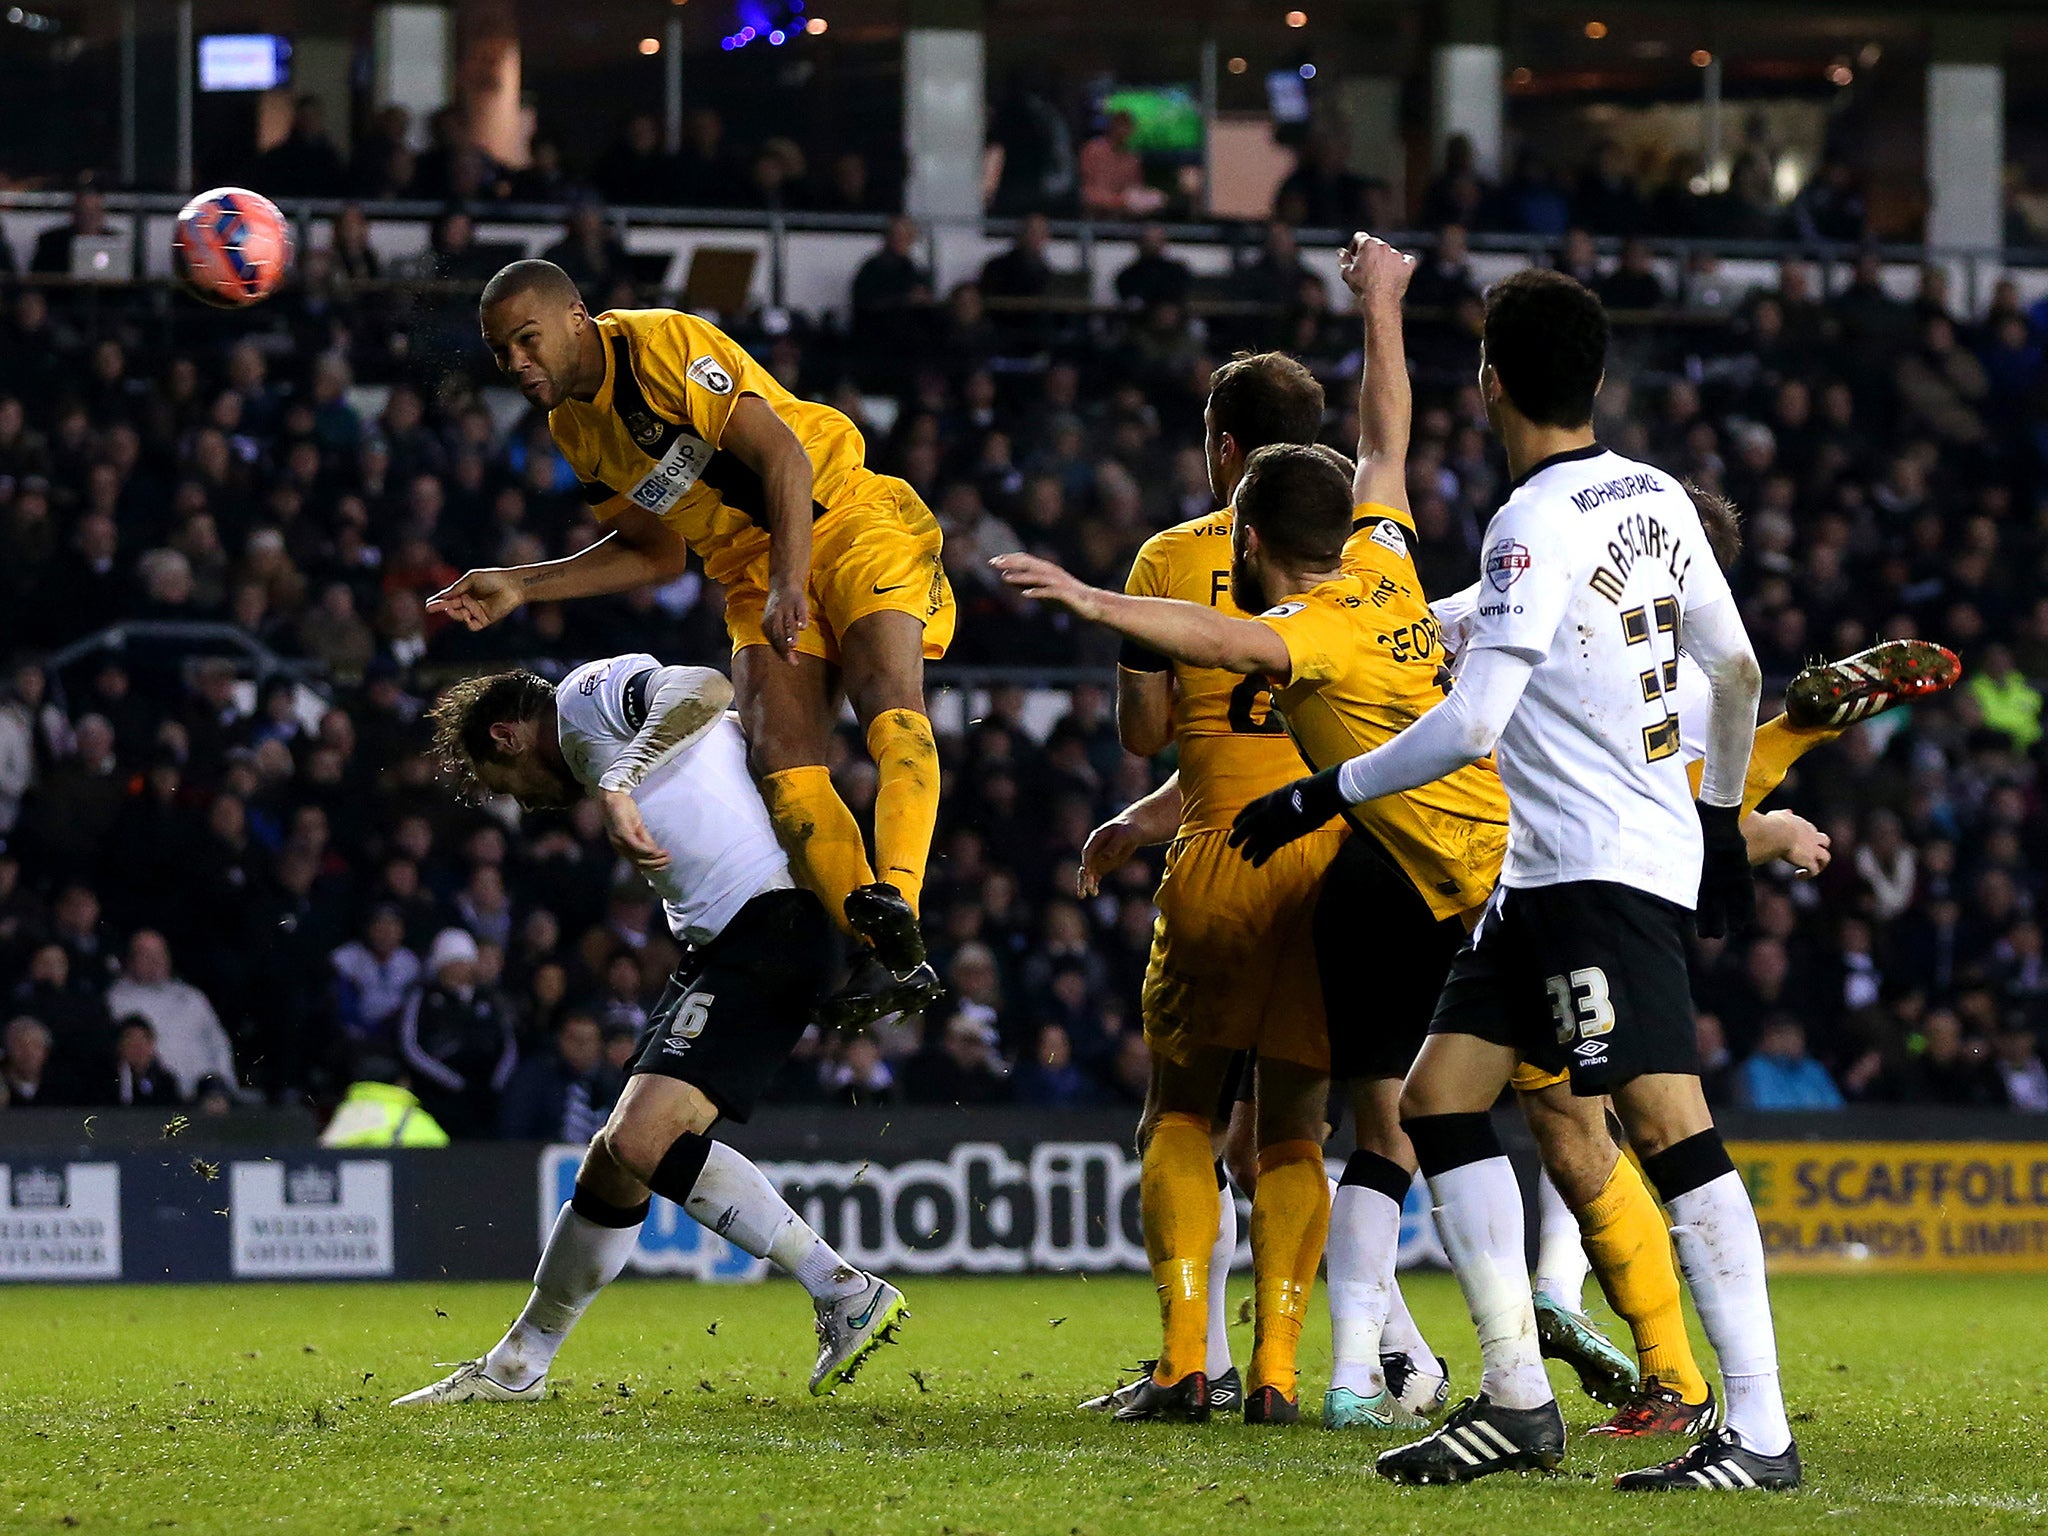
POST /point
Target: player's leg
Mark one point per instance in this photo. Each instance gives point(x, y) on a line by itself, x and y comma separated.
point(1721, 1251)
point(593, 1236)
point(1290, 1221)
point(1364, 1245)
point(1489, 1014)
point(1178, 1202)
point(883, 657)
point(785, 709)
point(1616, 1222)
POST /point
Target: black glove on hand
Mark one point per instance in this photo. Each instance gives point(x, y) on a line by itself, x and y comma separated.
point(1727, 894)
point(1273, 821)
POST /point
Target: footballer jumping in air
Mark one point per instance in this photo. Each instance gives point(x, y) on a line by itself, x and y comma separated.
point(657, 750)
point(832, 574)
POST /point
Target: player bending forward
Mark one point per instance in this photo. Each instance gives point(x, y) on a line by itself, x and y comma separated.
point(831, 572)
point(656, 748)
point(1596, 571)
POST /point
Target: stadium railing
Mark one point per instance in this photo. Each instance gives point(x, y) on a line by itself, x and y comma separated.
point(807, 260)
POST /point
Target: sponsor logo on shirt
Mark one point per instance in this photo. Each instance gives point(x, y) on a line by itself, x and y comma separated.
point(1388, 536)
point(1505, 563)
point(705, 371)
point(1283, 610)
point(670, 479)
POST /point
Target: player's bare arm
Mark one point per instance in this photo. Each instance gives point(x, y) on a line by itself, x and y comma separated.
point(1186, 632)
point(640, 549)
point(1141, 824)
point(1144, 711)
point(1377, 276)
point(762, 441)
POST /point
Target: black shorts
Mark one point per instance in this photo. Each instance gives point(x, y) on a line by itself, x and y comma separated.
point(1587, 977)
point(729, 1018)
point(1383, 956)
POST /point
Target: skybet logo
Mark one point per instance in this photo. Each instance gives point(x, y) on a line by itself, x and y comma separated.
point(1505, 563)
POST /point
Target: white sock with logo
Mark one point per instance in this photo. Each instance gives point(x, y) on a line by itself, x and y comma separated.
point(1561, 1262)
point(582, 1258)
point(734, 1199)
point(1479, 1217)
point(1722, 1254)
point(1220, 1257)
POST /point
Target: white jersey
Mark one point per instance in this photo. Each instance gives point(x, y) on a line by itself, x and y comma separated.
point(1588, 571)
point(700, 806)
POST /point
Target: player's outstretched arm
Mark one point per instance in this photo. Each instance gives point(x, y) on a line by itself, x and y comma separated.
point(1186, 632)
point(1377, 276)
point(762, 441)
point(1142, 823)
point(1458, 731)
point(639, 550)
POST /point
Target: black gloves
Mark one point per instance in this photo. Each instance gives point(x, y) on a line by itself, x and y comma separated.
point(1727, 895)
point(1273, 821)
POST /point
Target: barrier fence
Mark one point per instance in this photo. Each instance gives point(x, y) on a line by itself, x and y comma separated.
point(914, 1191)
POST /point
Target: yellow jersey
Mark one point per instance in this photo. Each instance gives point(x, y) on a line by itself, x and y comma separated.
point(1365, 663)
point(650, 437)
point(1233, 747)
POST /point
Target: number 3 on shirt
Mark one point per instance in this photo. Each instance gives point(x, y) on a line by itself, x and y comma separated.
point(1661, 680)
point(1581, 1004)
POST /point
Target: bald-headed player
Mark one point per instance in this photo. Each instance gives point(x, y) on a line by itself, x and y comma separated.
point(831, 572)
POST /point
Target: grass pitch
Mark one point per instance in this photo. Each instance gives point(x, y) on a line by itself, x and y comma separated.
point(1920, 1407)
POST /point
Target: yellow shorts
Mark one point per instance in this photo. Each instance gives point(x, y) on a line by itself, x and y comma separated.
point(1233, 962)
point(878, 554)
point(1533, 1079)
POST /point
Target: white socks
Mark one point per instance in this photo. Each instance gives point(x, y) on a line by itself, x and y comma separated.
point(1220, 1257)
point(1722, 1254)
point(1365, 1239)
point(581, 1259)
point(1479, 1216)
point(734, 1199)
point(1561, 1262)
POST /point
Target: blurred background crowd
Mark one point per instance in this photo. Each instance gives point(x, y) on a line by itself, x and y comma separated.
point(224, 879)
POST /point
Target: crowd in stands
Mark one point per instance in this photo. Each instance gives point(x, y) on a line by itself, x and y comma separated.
point(217, 887)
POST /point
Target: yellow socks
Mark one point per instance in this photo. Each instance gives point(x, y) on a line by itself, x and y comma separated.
point(819, 834)
point(1177, 1201)
point(1290, 1220)
point(906, 797)
point(1626, 1238)
point(1779, 744)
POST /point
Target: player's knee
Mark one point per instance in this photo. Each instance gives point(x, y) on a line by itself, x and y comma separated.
point(1419, 1100)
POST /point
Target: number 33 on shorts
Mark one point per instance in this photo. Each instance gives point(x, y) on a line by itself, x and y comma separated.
point(1580, 1004)
point(691, 1015)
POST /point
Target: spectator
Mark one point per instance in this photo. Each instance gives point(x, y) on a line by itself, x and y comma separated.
point(305, 162)
point(53, 246)
point(963, 1066)
point(1051, 1079)
point(890, 281)
point(588, 251)
point(1153, 277)
point(1112, 175)
point(1445, 275)
point(1274, 279)
point(860, 1075)
point(375, 977)
point(1952, 1068)
point(1781, 1075)
point(1634, 283)
point(2010, 704)
point(2021, 1071)
point(707, 175)
point(566, 1094)
point(457, 1040)
point(190, 1041)
point(140, 1079)
point(1022, 271)
point(24, 1069)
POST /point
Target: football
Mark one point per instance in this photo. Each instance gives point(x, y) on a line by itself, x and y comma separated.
point(232, 247)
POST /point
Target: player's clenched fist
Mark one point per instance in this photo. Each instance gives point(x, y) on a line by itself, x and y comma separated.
point(479, 598)
point(1374, 270)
